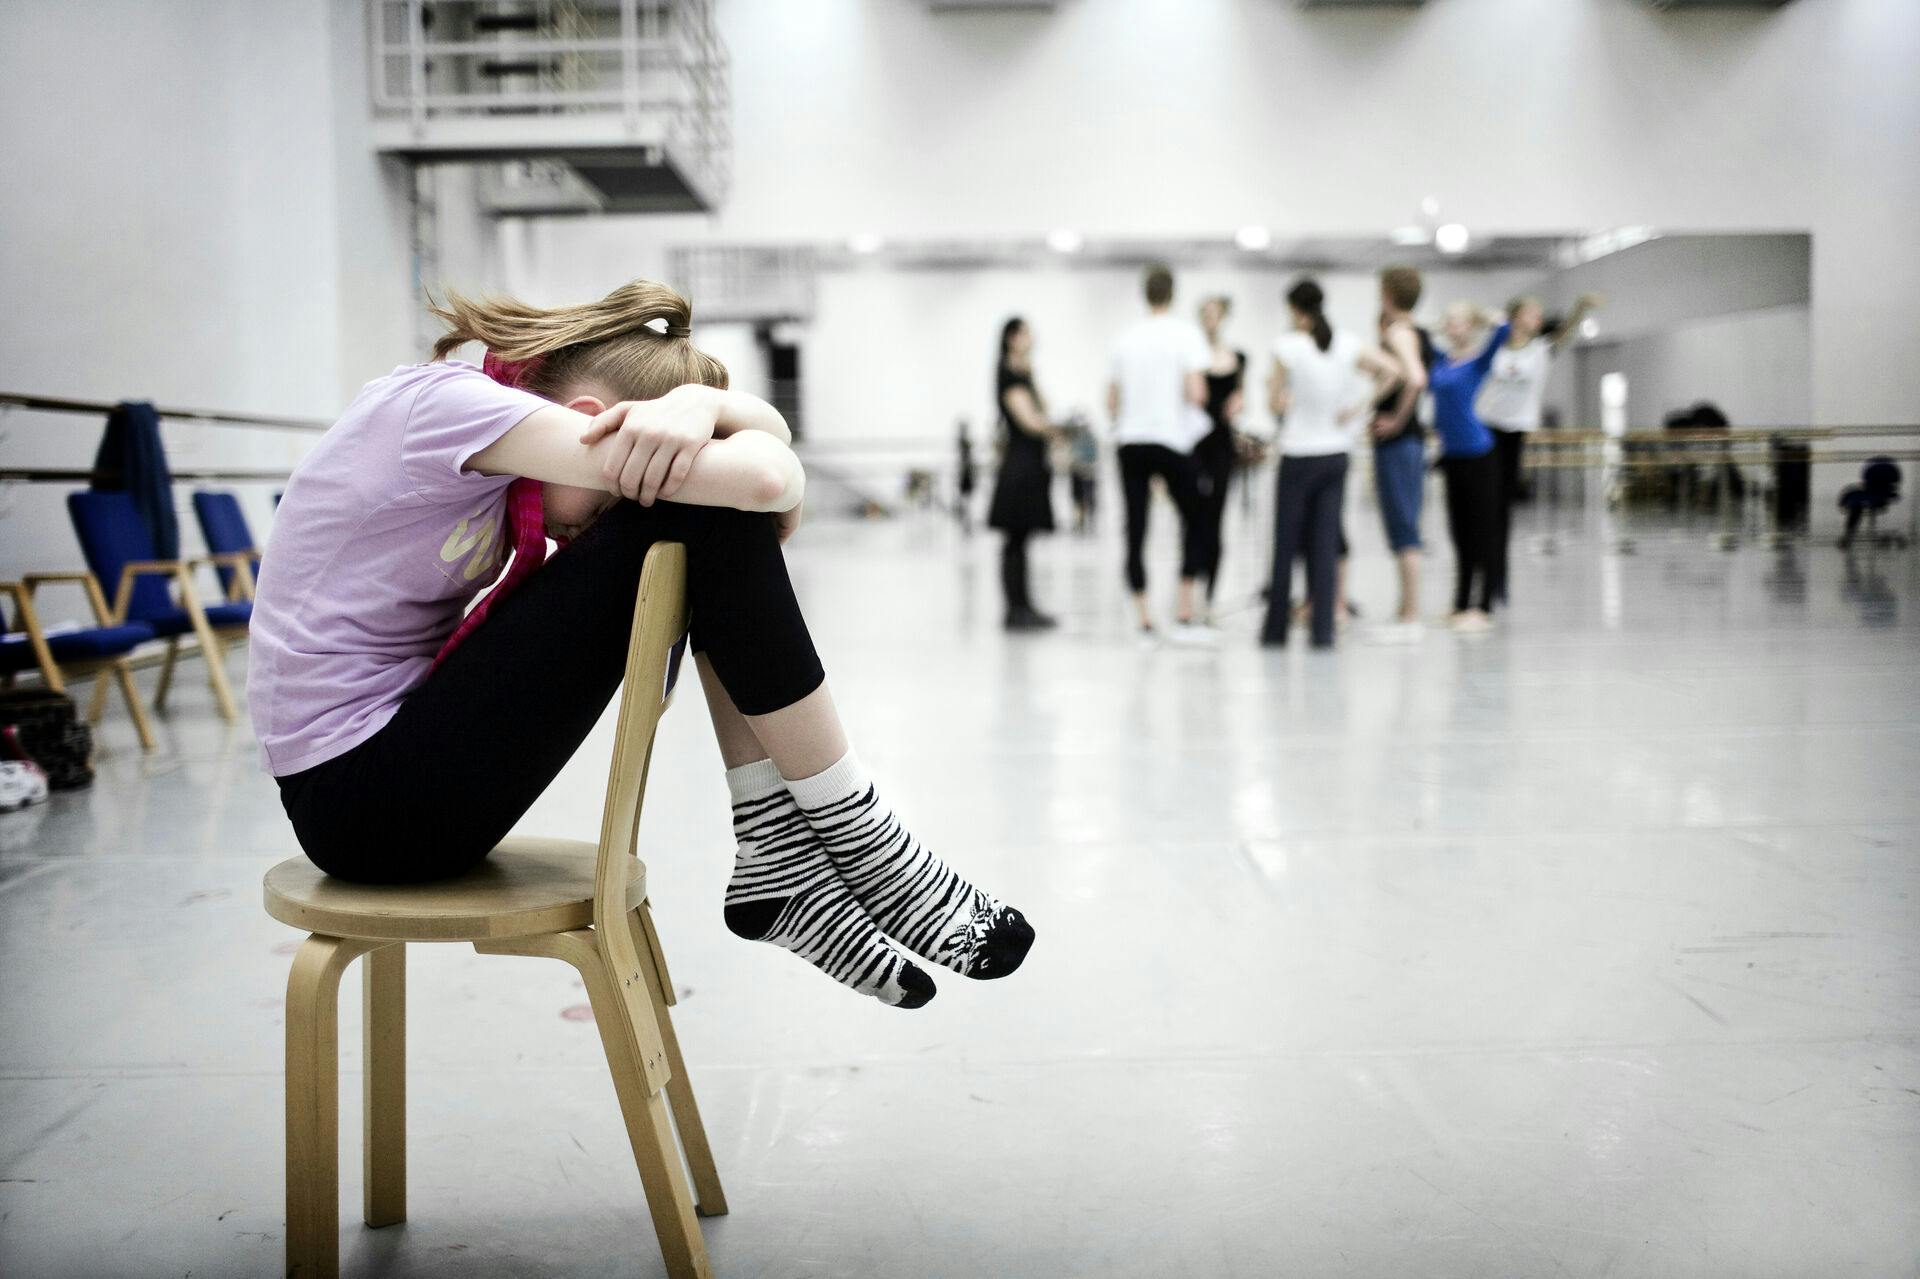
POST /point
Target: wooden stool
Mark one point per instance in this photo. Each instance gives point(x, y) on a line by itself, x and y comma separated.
point(563, 899)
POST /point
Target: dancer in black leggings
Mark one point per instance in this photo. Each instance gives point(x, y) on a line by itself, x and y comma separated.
point(1216, 454)
point(407, 742)
point(1476, 515)
point(1023, 490)
point(1154, 398)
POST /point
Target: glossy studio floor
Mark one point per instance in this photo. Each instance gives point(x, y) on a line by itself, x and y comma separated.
point(1588, 947)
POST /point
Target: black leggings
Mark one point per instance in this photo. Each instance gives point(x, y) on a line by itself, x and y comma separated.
point(1510, 447)
point(1139, 463)
point(1013, 569)
point(467, 753)
point(1213, 460)
point(1478, 524)
point(1306, 516)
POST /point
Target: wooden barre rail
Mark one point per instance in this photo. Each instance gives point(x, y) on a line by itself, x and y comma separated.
point(1571, 436)
point(1643, 459)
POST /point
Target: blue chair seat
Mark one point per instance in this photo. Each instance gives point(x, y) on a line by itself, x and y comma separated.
point(174, 621)
point(16, 654)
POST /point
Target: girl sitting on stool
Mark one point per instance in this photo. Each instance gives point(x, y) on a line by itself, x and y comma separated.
point(405, 753)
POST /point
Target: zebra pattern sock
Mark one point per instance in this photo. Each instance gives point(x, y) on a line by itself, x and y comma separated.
point(785, 892)
point(914, 896)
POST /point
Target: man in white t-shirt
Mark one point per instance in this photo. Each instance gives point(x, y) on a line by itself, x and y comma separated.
point(1516, 391)
point(1155, 399)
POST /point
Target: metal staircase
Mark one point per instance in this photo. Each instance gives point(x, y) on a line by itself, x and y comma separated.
point(584, 106)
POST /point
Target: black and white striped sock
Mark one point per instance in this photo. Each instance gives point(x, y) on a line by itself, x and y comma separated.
point(785, 892)
point(914, 896)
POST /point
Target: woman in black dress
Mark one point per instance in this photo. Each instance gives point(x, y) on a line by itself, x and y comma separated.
point(1023, 491)
point(1214, 454)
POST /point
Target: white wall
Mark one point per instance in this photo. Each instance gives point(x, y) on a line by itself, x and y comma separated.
point(1166, 117)
point(192, 216)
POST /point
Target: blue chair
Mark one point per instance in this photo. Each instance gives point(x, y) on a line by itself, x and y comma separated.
point(119, 549)
point(99, 651)
point(229, 541)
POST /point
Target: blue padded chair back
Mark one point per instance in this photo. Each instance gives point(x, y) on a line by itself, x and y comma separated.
point(221, 522)
point(112, 535)
point(224, 526)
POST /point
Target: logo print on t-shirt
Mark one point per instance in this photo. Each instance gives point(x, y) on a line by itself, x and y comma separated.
point(474, 539)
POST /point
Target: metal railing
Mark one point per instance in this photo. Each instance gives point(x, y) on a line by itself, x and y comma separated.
point(261, 421)
point(10, 402)
point(658, 67)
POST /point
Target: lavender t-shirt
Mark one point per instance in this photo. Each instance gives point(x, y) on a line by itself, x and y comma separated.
point(379, 545)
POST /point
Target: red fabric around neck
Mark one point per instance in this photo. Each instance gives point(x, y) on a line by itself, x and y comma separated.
point(526, 520)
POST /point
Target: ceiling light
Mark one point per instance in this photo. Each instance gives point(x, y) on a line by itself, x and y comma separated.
point(1451, 238)
point(1409, 236)
point(1064, 240)
point(1589, 328)
point(1430, 207)
point(1253, 238)
point(865, 242)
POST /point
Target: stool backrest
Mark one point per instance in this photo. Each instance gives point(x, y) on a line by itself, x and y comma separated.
point(112, 535)
point(659, 620)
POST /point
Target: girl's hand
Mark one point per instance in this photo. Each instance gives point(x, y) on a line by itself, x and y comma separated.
point(785, 522)
point(654, 441)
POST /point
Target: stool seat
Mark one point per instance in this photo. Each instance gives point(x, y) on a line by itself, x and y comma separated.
point(525, 888)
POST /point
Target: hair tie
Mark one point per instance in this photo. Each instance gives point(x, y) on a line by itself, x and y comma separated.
point(679, 331)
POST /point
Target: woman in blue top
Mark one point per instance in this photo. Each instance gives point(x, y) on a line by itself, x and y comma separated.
point(1476, 517)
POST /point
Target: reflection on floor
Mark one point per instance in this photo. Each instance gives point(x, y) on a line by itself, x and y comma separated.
point(1590, 946)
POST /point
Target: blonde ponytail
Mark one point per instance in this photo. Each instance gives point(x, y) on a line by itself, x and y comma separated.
point(610, 347)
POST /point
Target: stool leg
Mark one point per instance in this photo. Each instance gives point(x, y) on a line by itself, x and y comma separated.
point(651, 1134)
point(712, 1199)
point(649, 1126)
point(383, 976)
point(313, 1104)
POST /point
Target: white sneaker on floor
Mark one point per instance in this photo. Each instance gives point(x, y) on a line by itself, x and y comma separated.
point(21, 785)
point(1471, 622)
point(1193, 635)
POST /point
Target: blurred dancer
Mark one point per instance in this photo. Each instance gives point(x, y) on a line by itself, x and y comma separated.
point(1214, 456)
point(1317, 391)
point(1155, 400)
point(967, 477)
point(1400, 441)
point(1517, 389)
point(1083, 452)
point(1476, 517)
point(1023, 489)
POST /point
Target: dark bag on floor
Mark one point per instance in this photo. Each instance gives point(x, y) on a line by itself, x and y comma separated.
point(52, 732)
